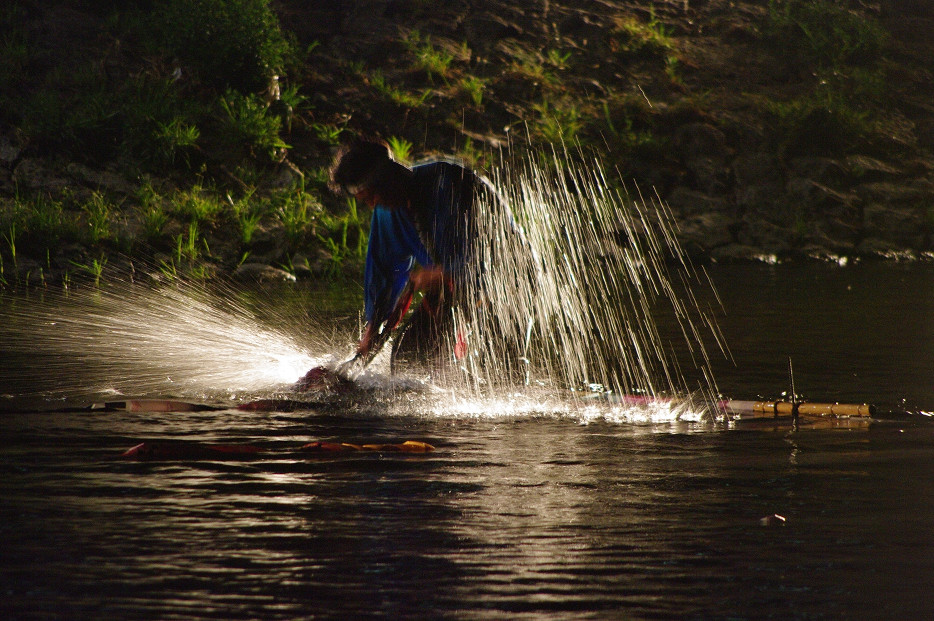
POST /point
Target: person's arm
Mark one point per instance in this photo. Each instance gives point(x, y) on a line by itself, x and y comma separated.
point(372, 338)
point(394, 248)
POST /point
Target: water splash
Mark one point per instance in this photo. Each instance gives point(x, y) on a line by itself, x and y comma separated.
point(179, 339)
point(593, 408)
point(577, 299)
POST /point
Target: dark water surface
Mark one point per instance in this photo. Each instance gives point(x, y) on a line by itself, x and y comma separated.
point(863, 333)
point(515, 515)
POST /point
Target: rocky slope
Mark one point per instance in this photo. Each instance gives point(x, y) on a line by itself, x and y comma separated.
point(697, 114)
point(765, 143)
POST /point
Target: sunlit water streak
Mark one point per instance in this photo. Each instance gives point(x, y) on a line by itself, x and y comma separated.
point(182, 339)
point(574, 296)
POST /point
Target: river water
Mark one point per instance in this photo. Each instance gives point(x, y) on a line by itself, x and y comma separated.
point(528, 511)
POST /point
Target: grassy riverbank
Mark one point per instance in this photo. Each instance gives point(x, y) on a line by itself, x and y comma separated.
point(194, 137)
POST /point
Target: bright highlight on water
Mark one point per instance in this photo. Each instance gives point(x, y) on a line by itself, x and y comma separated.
point(577, 274)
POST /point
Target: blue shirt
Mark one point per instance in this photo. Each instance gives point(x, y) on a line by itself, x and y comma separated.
point(437, 231)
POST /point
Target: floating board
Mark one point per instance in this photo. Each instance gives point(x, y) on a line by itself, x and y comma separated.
point(777, 409)
point(153, 405)
point(185, 450)
point(319, 383)
point(763, 409)
point(737, 409)
point(409, 446)
point(175, 405)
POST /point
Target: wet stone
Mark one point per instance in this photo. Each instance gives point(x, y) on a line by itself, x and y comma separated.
point(870, 169)
point(736, 253)
point(34, 174)
point(903, 226)
point(707, 230)
point(262, 272)
point(9, 152)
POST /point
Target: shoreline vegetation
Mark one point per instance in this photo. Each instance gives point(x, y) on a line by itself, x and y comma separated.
point(194, 137)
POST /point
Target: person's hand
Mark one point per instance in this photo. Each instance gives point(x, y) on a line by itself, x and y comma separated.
point(429, 280)
point(323, 378)
point(366, 342)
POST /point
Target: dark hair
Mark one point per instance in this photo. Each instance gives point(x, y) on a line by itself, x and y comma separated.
point(356, 162)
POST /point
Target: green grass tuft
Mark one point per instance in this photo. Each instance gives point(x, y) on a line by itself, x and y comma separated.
point(632, 37)
point(246, 123)
point(435, 62)
point(558, 123)
point(401, 149)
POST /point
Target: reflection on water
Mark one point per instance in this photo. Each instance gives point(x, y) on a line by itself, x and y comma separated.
point(512, 517)
point(531, 506)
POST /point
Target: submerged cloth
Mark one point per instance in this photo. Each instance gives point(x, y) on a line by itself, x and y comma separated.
point(438, 230)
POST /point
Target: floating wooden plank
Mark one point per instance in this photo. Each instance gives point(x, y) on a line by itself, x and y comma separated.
point(153, 405)
point(771, 409)
point(186, 450)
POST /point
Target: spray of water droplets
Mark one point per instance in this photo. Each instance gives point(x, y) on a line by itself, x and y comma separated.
point(175, 339)
point(578, 274)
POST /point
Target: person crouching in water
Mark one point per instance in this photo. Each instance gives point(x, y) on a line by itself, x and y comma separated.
point(421, 235)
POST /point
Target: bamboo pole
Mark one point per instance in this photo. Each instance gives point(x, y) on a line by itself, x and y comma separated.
point(766, 409)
